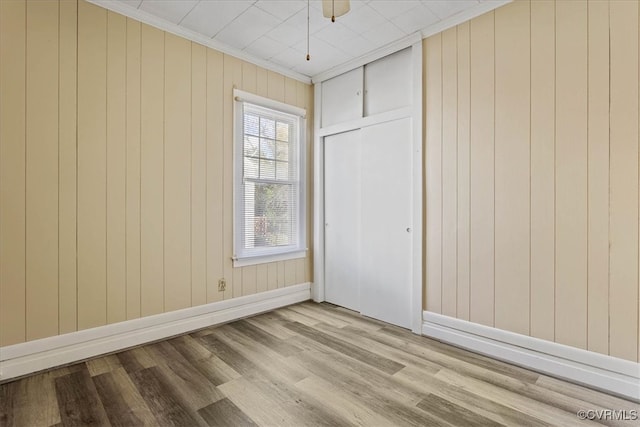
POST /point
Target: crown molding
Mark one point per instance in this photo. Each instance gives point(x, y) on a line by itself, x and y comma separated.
point(147, 18)
point(378, 53)
point(465, 15)
point(154, 21)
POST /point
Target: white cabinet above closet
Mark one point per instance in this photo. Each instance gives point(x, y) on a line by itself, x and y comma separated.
point(387, 83)
point(378, 87)
point(342, 98)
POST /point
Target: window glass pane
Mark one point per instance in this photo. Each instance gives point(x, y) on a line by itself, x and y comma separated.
point(267, 148)
point(283, 235)
point(267, 128)
point(251, 124)
point(267, 169)
point(268, 197)
point(251, 146)
point(282, 151)
point(251, 168)
point(270, 216)
point(282, 131)
point(282, 170)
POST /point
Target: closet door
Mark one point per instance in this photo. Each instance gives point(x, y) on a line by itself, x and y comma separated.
point(386, 221)
point(342, 219)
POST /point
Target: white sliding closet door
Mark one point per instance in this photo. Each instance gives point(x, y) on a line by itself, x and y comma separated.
point(386, 221)
point(342, 219)
point(368, 219)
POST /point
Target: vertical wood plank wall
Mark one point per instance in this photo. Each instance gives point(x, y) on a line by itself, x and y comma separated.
point(547, 189)
point(41, 172)
point(116, 151)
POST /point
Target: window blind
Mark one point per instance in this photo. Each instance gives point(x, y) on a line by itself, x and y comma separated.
point(269, 209)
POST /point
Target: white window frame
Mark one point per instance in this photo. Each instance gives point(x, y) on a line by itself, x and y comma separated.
point(243, 257)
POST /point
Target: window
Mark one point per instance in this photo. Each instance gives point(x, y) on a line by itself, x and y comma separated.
point(269, 182)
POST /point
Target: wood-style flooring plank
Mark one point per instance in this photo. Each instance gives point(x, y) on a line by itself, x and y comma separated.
point(383, 396)
point(548, 413)
point(204, 331)
point(261, 409)
point(122, 401)
point(396, 336)
point(261, 356)
point(350, 318)
point(454, 414)
point(382, 363)
point(78, 400)
point(586, 395)
point(32, 401)
point(263, 394)
point(163, 400)
point(103, 364)
point(480, 404)
point(224, 413)
point(481, 361)
point(135, 359)
point(353, 410)
point(294, 316)
point(321, 315)
point(228, 355)
point(6, 406)
point(216, 370)
point(357, 316)
point(190, 348)
point(265, 338)
point(356, 337)
point(273, 324)
point(498, 373)
point(195, 390)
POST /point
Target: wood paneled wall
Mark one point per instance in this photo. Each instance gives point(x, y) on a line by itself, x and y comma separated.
point(532, 187)
point(116, 170)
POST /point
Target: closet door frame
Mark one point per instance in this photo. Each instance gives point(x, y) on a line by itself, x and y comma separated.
point(414, 111)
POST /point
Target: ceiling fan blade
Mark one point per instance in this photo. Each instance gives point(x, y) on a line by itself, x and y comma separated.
point(335, 8)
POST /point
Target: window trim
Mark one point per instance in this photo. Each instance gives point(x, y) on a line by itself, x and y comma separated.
point(285, 252)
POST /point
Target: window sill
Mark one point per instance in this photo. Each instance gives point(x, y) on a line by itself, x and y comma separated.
point(263, 259)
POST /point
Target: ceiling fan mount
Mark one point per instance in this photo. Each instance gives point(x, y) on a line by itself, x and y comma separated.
point(335, 8)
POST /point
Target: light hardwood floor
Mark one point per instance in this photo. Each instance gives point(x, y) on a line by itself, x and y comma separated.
point(305, 365)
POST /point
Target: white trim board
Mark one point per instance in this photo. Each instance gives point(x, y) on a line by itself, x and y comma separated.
point(375, 54)
point(418, 168)
point(147, 18)
point(452, 21)
point(154, 21)
point(387, 116)
point(33, 356)
point(318, 198)
point(464, 16)
point(607, 373)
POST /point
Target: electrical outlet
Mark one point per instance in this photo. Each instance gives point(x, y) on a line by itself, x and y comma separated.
point(222, 285)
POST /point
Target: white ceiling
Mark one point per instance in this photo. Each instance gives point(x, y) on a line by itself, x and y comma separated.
point(275, 31)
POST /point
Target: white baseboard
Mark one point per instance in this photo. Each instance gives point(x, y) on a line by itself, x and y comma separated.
point(606, 373)
point(33, 356)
